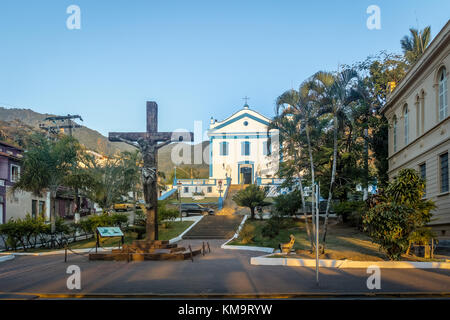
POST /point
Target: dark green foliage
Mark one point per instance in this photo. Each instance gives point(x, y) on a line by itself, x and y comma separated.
point(166, 214)
point(288, 204)
point(399, 213)
point(251, 197)
point(351, 211)
point(388, 224)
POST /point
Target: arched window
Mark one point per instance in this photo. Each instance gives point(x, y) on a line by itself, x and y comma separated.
point(395, 133)
point(418, 116)
point(443, 99)
point(406, 124)
point(422, 112)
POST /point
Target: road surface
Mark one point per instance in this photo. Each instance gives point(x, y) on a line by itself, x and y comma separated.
point(219, 272)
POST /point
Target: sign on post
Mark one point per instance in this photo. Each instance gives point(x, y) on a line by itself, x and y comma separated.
point(109, 232)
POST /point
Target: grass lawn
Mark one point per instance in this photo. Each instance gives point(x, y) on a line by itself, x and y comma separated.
point(343, 242)
point(175, 229)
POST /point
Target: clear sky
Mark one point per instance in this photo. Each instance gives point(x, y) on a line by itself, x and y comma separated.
point(197, 59)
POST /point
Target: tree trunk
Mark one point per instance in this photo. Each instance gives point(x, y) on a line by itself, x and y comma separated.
point(330, 191)
point(252, 213)
point(308, 231)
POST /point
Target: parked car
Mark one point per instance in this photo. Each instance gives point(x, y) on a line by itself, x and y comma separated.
point(190, 208)
point(123, 206)
point(140, 204)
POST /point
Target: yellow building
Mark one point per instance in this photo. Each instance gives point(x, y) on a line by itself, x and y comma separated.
point(417, 110)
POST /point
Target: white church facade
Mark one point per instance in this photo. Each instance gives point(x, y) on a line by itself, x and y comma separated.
point(242, 150)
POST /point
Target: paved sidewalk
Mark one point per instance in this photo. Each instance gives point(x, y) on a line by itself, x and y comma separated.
point(221, 271)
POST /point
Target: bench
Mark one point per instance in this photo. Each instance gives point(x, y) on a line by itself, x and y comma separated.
point(287, 247)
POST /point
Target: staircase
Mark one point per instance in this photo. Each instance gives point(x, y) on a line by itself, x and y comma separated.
point(214, 227)
point(229, 206)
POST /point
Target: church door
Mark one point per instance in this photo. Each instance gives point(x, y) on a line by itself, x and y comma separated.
point(246, 175)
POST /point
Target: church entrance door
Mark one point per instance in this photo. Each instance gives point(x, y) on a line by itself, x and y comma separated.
point(246, 175)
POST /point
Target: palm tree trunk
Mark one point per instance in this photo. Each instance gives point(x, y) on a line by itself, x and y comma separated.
point(311, 162)
point(333, 173)
point(308, 230)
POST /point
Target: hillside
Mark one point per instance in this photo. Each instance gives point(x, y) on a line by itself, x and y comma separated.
point(92, 139)
point(17, 124)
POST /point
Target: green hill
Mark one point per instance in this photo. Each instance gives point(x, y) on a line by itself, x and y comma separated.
point(17, 124)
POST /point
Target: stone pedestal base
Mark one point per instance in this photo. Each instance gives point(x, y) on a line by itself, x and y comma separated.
point(141, 250)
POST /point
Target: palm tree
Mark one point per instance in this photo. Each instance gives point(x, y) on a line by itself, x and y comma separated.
point(46, 165)
point(333, 93)
point(298, 109)
point(415, 44)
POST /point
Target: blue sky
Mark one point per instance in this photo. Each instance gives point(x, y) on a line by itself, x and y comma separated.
point(197, 59)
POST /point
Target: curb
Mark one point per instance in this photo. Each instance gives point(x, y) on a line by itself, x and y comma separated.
point(49, 253)
point(346, 264)
point(6, 258)
point(180, 237)
point(248, 248)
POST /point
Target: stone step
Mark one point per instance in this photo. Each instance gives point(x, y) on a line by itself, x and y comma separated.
point(214, 227)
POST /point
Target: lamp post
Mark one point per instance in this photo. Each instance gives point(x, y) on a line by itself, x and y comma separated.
point(179, 185)
point(220, 194)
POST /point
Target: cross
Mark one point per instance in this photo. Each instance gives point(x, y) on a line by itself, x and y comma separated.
point(246, 99)
point(148, 143)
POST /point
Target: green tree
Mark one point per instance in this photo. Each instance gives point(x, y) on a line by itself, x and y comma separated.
point(334, 94)
point(288, 204)
point(414, 45)
point(400, 212)
point(109, 182)
point(251, 197)
point(46, 165)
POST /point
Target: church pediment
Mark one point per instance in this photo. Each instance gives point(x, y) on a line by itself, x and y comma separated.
point(245, 120)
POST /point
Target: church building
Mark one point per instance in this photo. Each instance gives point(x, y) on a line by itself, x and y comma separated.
point(241, 147)
point(242, 151)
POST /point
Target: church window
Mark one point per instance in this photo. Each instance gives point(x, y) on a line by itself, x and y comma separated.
point(267, 148)
point(224, 148)
point(245, 123)
point(245, 148)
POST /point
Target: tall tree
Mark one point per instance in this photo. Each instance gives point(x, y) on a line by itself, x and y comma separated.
point(334, 94)
point(46, 165)
point(415, 44)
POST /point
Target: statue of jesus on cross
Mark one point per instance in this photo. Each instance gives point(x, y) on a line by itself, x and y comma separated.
point(147, 143)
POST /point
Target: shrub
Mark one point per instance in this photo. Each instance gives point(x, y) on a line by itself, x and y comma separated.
point(288, 204)
point(119, 220)
point(351, 212)
point(399, 212)
point(388, 225)
point(273, 226)
point(247, 233)
point(166, 215)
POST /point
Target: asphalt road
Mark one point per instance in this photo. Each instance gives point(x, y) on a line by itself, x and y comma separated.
point(219, 272)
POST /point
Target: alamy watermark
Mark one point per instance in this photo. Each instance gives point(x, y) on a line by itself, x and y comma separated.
point(374, 20)
point(74, 280)
point(74, 20)
point(374, 280)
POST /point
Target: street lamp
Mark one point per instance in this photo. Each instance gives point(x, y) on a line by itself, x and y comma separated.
point(179, 185)
point(220, 192)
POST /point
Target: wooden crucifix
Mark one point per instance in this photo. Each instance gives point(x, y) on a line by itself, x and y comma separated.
point(148, 143)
